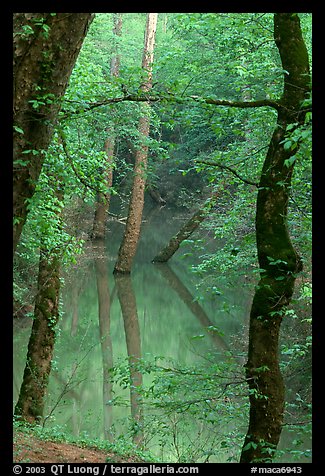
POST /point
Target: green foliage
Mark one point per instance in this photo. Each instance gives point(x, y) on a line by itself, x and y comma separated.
point(183, 407)
point(192, 413)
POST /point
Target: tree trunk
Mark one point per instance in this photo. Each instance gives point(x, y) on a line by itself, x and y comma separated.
point(46, 47)
point(102, 205)
point(185, 232)
point(132, 229)
point(277, 257)
point(30, 404)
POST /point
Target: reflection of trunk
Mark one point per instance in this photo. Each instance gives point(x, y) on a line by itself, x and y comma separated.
point(102, 205)
point(278, 259)
point(30, 404)
point(132, 229)
point(133, 342)
point(104, 331)
point(75, 295)
point(176, 284)
point(185, 232)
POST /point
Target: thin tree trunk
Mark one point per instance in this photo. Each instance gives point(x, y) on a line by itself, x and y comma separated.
point(186, 231)
point(133, 225)
point(44, 57)
point(102, 205)
point(277, 257)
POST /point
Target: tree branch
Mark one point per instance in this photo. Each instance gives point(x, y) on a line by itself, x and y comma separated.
point(70, 160)
point(226, 167)
point(170, 98)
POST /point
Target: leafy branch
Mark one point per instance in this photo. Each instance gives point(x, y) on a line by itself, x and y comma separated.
point(70, 160)
point(226, 167)
point(85, 107)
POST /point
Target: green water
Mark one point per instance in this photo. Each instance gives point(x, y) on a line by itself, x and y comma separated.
point(163, 319)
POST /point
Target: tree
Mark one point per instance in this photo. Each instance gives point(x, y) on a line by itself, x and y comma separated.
point(278, 260)
point(102, 205)
point(132, 229)
point(46, 46)
point(30, 404)
point(185, 232)
point(228, 136)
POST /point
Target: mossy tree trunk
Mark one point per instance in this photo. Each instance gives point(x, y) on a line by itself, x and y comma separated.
point(46, 46)
point(131, 236)
point(30, 404)
point(278, 260)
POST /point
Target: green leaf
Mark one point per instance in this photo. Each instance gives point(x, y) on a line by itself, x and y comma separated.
point(287, 144)
point(18, 129)
point(20, 162)
point(250, 445)
point(289, 162)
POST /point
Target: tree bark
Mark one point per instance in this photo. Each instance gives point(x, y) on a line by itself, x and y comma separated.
point(133, 225)
point(30, 405)
point(185, 232)
point(278, 260)
point(102, 205)
point(46, 47)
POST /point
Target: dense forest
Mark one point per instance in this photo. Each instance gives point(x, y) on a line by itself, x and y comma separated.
point(162, 233)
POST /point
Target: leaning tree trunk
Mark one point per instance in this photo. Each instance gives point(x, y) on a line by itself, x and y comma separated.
point(278, 260)
point(46, 46)
point(133, 225)
point(186, 231)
